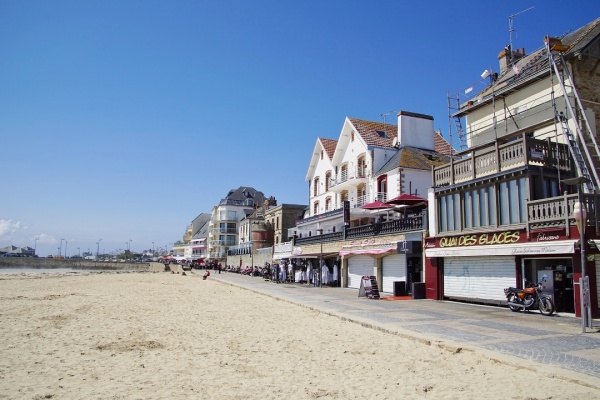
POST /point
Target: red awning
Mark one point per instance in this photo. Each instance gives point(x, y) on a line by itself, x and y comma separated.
point(406, 199)
point(376, 205)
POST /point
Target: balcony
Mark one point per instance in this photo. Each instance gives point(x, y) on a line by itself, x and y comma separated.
point(408, 224)
point(348, 180)
point(557, 212)
point(215, 243)
point(231, 231)
point(502, 156)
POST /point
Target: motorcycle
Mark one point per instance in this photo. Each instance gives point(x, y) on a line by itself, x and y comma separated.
point(529, 298)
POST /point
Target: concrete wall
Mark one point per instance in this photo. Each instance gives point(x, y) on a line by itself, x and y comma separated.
point(35, 262)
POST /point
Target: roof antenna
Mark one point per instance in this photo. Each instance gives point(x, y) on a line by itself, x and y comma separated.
point(511, 28)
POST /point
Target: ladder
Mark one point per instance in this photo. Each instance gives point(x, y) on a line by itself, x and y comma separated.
point(458, 127)
point(584, 134)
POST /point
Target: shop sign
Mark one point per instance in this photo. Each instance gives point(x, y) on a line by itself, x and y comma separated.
point(483, 239)
point(408, 247)
point(369, 244)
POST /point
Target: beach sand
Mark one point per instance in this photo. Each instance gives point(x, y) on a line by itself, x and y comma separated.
point(169, 336)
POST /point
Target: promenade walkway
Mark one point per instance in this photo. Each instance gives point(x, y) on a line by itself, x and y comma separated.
point(556, 342)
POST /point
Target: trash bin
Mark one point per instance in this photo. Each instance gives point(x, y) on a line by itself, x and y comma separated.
point(418, 290)
point(399, 288)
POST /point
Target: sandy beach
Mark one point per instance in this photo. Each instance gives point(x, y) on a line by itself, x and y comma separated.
point(168, 336)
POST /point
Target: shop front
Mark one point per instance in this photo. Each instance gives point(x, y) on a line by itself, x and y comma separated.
point(389, 261)
point(478, 267)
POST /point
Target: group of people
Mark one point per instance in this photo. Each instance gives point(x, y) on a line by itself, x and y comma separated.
point(304, 272)
point(283, 272)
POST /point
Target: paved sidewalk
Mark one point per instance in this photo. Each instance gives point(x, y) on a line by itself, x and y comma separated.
point(556, 342)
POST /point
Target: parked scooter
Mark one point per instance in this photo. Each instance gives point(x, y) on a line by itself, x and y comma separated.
point(529, 298)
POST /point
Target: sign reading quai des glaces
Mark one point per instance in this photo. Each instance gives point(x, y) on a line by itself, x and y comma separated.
point(507, 237)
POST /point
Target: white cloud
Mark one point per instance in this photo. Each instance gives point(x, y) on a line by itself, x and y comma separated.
point(8, 227)
point(44, 238)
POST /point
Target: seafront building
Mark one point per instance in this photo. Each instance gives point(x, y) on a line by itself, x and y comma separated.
point(507, 212)
point(355, 224)
point(514, 203)
point(223, 232)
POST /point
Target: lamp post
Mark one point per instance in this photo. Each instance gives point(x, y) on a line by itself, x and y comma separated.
point(60, 248)
point(320, 270)
point(98, 248)
point(66, 243)
point(580, 215)
point(79, 252)
point(153, 249)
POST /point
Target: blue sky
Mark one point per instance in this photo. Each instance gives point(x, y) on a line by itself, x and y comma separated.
point(124, 120)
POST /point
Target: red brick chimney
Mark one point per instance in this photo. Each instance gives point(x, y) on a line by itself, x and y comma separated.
point(504, 57)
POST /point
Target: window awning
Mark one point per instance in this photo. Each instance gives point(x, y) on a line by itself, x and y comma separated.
point(313, 255)
point(517, 249)
point(367, 251)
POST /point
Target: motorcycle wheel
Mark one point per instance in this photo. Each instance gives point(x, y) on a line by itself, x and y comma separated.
point(546, 306)
point(514, 299)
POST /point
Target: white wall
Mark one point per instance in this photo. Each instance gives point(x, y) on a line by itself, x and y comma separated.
point(415, 131)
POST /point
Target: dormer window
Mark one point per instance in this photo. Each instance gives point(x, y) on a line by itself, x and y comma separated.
point(382, 134)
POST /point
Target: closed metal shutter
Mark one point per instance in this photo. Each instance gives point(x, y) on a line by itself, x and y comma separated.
point(393, 269)
point(359, 266)
point(598, 280)
point(478, 278)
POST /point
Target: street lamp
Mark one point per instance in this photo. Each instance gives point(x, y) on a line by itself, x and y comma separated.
point(320, 270)
point(66, 242)
point(580, 215)
point(98, 249)
point(60, 248)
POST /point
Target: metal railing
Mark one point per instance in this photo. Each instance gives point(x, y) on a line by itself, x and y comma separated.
point(502, 157)
point(409, 224)
point(346, 175)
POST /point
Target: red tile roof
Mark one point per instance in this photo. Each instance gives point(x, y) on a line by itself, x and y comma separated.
point(442, 146)
point(329, 145)
point(368, 131)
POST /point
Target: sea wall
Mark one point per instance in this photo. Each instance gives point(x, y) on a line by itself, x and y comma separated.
point(39, 262)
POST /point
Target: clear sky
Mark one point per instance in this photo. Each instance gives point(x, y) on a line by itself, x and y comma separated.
point(123, 120)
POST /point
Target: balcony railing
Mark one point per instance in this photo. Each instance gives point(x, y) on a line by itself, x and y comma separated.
point(223, 230)
point(499, 157)
point(221, 243)
point(557, 212)
point(408, 224)
point(348, 175)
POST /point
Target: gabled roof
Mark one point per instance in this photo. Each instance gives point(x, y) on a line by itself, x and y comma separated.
point(536, 64)
point(329, 146)
point(375, 133)
point(245, 192)
point(414, 158)
point(441, 145)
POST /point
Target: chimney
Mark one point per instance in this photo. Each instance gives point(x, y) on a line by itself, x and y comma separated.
point(508, 57)
point(415, 130)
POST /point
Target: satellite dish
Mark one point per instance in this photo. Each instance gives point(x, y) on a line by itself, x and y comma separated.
point(395, 142)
